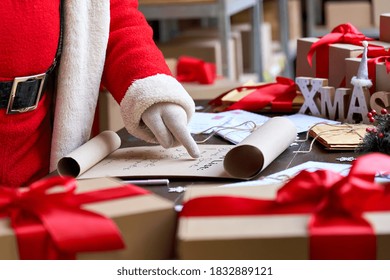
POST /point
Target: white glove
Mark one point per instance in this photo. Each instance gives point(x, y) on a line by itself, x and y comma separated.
point(168, 122)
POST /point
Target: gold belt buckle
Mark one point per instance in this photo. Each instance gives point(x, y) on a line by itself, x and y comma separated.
point(17, 80)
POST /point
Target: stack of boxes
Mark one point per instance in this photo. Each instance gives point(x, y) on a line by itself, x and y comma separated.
point(344, 60)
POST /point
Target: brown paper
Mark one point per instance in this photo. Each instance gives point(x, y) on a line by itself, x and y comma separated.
point(146, 222)
point(339, 137)
point(89, 154)
point(262, 237)
point(260, 148)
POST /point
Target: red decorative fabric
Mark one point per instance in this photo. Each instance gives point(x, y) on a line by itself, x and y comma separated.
point(337, 228)
point(279, 94)
point(131, 51)
point(28, 44)
point(344, 33)
point(191, 69)
point(52, 225)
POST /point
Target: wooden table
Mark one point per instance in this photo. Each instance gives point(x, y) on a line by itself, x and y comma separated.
point(286, 160)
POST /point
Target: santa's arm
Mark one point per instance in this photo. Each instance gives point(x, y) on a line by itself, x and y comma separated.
point(137, 76)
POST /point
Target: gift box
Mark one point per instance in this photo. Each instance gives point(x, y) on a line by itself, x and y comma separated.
point(272, 221)
point(303, 68)
point(337, 55)
point(384, 27)
point(145, 222)
point(381, 78)
point(378, 8)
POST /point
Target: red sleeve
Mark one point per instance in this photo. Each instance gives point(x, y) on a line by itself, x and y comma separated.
point(131, 52)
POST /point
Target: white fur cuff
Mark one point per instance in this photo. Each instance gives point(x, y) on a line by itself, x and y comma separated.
point(148, 91)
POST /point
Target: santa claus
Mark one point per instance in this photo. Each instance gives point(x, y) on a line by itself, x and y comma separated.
point(46, 113)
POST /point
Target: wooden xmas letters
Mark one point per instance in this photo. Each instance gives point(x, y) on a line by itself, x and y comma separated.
point(339, 104)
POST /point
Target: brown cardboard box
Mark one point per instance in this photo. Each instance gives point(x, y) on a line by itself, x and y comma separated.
point(303, 68)
point(271, 15)
point(384, 27)
point(358, 13)
point(382, 82)
point(147, 223)
point(245, 30)
point(379, 7)
point(268, 237)
point(110, 117)
point(207, 49)
point(212, 33)
point(337, 55)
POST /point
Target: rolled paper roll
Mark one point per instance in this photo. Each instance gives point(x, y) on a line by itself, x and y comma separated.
point(89, 154)
point(259, 149)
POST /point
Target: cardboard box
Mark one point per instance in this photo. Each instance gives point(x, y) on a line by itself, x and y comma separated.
point(358, 13)
point(303, 68)
point(207, 49)
point(379, 7)
point(337, 55)
point(110, 117)
point(382, 82)
point(212, 33)
point(267, 237)
point(384, 27)
point(271, 15)
point(147, 224)
point(245, 30)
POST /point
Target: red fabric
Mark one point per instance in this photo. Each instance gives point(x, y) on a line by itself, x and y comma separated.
point(54, 226)
point(279, 94)
point(28, 42)
point(344, 33)
point(191, 69)
point(337, 228)
point(131, 53)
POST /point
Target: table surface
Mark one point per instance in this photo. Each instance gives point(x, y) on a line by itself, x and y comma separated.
point(284, 161)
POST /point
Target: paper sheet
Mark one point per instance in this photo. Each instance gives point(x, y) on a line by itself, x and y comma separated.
point(157, 162)
point(304, 122)
point(100, 157)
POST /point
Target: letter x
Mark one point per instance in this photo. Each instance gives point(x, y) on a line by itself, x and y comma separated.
point(309, 88)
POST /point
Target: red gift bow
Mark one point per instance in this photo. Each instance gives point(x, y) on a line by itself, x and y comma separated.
point(376, 54)
point(190, 69)
point(280, 94)
point(337, 228)
point(343, 33)
point(53, 226)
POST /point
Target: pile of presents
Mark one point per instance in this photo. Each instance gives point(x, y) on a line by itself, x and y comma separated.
point(315, 215)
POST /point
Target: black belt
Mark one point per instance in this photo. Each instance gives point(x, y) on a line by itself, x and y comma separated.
point(23, 93)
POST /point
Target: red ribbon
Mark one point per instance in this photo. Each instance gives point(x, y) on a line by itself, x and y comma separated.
point(190, 69)
point(52, 225)
point(377, 55)
point(343, 33)
point(337, 228)
point(280, 94)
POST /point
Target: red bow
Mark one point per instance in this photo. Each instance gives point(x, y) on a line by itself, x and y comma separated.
point(190, 69)
point(280, 94)
point(51, 225)
point(344, 33)
point(337, 228)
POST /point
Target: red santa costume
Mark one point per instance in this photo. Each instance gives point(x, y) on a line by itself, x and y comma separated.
point(105, 41)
